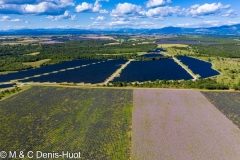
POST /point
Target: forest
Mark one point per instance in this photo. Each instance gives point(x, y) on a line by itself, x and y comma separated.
point(12, 56)
point(230, 50)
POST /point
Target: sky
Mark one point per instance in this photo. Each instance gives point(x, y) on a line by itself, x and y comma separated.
point(110, 14)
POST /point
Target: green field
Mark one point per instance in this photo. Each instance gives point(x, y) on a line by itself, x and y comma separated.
point(37, 63)
point(95, 122)
point(33, 54)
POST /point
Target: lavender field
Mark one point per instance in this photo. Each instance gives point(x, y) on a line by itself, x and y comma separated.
point(173, 124)
point(95, 122)
point(137, 124)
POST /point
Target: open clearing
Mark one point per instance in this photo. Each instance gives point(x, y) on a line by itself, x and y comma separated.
point(6, 72)
point(171, 45)
point(33, 54)
point(171, 124)
point(109, 44)
point(37, 63)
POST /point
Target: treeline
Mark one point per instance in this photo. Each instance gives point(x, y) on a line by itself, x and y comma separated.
point(17, 50)
point(94, 47)
point(9, 91)
point(198, 84)
point(217, 39)
point(91, 49)
point(12, 56)
point(230, 50)
point(88, 57)
point(142, 58)
point(16, 66)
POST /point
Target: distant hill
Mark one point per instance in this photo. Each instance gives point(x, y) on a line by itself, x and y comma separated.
point(221, 30)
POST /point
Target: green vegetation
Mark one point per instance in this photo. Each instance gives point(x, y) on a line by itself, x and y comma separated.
point(218, 55)
point(212, 38)
point(229, 69)
point(209, 83)
point(231, 50)
point(223, 55)
point(12, 57)
point(228, 103)
point(96, 122)
point(33, 54)
point(92, 49)
point(9, 92)
point(17, 57)
point(177, 49)
point(142, 58)
point(37, 63)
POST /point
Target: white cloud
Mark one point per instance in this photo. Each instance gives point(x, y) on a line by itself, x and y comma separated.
point(50, 7)
point(66, 15)
point(161, 12)
point(96, 7)
point(123, 9)
point(100, 18)
point(9, 19)
point(103, 11)
point(84, 7)
point(203, 10)
point(230, 13)
point(157, 3)
point(128, 10)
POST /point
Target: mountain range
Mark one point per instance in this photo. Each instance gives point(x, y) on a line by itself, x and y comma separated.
point(221, 30)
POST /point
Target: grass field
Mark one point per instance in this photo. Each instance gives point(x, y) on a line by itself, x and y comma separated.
point(95, 122)
point(6, 72)
point(28, 41)
point(173, 51)
point(37, 63)
point(228, 67)
point(33, 54)
point(171, 45)
point(141, 53)
point(109, 44)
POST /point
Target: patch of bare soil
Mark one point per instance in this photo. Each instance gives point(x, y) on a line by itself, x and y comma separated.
point(181, 125)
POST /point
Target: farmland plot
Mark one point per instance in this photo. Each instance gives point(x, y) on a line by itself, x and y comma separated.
point(95, 122)
point(228, 103)
point(171, 124)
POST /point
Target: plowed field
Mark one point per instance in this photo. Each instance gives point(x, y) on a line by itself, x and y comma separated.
point(171, 124)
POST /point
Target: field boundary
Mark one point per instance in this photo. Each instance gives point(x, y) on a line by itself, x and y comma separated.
point(117, 72)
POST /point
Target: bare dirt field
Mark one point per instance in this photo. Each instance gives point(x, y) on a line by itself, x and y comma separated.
point(181, 125)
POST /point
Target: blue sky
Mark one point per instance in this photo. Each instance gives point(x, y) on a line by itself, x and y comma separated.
point(108, 14)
